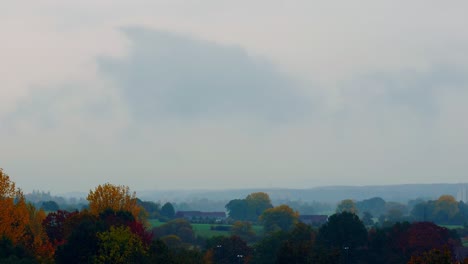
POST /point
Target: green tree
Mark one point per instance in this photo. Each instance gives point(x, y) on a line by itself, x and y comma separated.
point(237, 209)
point(168, 211)
point(375, 206)
point(50, 206)
point(250, 208)
point(343, 230)
point(278, 218)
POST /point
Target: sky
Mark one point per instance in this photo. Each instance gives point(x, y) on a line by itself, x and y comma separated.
point(232, 94)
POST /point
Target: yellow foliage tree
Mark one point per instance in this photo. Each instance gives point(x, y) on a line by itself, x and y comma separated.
point(278, 218)
point(115, 197)
point(119, 245)
point(446, 204)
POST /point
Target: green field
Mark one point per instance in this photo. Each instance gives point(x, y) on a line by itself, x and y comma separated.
point(452, 226)
point(204, 230)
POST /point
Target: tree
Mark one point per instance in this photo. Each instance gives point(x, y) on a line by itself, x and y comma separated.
point(343, 229)
point(298, 247)
point(168, 210)
point(226, 250)
point(177, 227)
point(14, 215)
point(446, 209)
point(243, 230)
point(258, 202)
point(375, 206)
point(346, 205)
point(237, 209)
point(250, 208)
point(277, 218)
point(367, 219)
point(54, 225)
point(117, 198)
point(120, 245)
point(50, 206)
point(434, 256)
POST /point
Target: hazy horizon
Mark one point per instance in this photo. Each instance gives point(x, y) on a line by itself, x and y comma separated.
point(226, 95)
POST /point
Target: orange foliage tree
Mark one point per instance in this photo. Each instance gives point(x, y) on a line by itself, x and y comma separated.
point(14, 212)
point(21, 223)
point(115, 197)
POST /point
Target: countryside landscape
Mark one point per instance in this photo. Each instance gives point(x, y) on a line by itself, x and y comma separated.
point(112, 225)
point(229, 132)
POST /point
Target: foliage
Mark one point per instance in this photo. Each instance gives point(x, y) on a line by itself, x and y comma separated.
point(228, 250)
point(153, 209)
point(367, 219)
point(277, 218)
point(343, 230)
point(54, 225)
point(250, 208)
point(115, 197)
point(244, 230)
point(346, 205)
point(375, 206)
point(119, 245)
point(299, 247)
point(445, 210)
point(50, 206)
point(177, 227)
point(434, 256)
point(168, 211)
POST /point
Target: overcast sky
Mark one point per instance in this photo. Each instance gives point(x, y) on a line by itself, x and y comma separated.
point(183, 94)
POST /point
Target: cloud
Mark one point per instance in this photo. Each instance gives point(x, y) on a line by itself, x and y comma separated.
point(167, 75)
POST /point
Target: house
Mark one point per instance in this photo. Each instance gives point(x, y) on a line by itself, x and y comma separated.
point(315, 220)
point(201, 216)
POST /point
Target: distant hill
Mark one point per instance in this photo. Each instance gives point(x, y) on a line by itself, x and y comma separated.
point(328, 194)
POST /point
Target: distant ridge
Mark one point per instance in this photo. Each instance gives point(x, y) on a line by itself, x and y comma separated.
point(331, 194)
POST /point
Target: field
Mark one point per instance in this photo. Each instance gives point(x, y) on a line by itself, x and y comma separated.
point(204, 230)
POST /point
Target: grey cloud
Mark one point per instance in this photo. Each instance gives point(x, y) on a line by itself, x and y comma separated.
point(417, 92)
point(170, 75)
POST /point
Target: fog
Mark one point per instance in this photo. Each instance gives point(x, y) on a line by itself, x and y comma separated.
point(213, 95)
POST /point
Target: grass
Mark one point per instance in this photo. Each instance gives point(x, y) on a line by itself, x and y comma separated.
point(204, 230)
point(452, 226)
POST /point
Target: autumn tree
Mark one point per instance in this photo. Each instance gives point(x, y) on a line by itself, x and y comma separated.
point(278, 218)
point(434, 256)
point(243, 230)
point(115, 197)
point(14, 216)
point(258, 202)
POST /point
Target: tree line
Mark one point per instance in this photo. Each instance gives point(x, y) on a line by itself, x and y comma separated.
point(114, 228)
